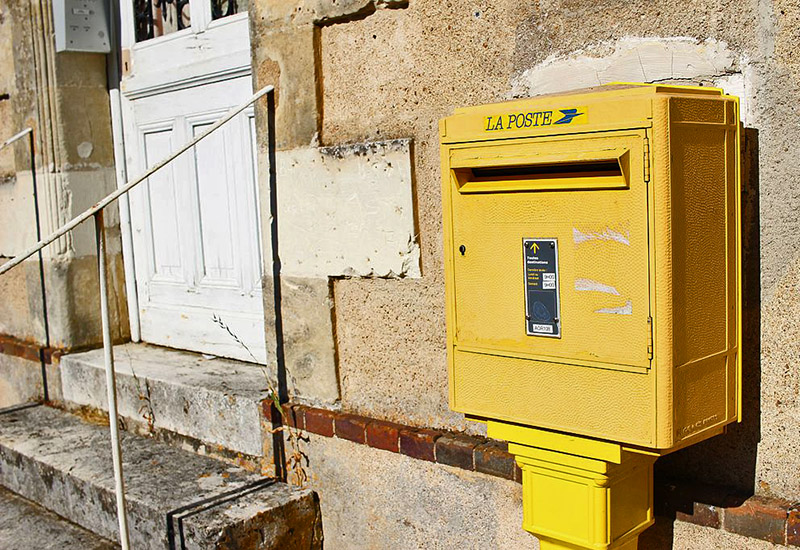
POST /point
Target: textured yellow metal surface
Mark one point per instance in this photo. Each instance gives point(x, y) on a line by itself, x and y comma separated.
point(572, 502)
point(640, 187)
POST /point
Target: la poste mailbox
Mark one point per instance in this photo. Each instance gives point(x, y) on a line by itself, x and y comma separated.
point(592, 249)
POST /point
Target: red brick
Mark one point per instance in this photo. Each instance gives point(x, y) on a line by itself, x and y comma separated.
point(383, 435)
point(793, 527)
point(319, 421)
point(704, 515)
point(418, 443)
point(293, 415)
point(351, 427)
point(456, 450)
point(494, 459)
point(758, 518)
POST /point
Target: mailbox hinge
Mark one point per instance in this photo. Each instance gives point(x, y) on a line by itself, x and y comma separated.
point(646, 159)
point(650, 338)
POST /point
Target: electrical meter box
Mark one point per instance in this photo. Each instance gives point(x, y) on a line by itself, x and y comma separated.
point(592, 257)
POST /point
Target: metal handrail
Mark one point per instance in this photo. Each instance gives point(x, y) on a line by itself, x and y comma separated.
point(96, 211)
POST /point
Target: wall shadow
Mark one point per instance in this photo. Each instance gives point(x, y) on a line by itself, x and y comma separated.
point(722, 471)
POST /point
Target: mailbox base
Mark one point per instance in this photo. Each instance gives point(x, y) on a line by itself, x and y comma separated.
point(580, 493)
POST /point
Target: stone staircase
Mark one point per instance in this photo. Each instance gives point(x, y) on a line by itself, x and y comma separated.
point(197, 484)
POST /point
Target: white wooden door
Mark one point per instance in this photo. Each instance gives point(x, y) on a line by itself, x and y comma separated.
point(195, 223)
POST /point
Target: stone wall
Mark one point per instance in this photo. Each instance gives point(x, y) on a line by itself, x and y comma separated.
point(359, 71)
point(63, 97)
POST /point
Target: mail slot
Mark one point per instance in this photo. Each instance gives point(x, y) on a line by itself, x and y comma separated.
point(592, 263)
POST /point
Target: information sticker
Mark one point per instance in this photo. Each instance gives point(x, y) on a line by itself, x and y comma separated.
point(541, 287)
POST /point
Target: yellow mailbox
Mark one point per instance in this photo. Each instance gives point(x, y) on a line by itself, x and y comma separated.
point(592, 254)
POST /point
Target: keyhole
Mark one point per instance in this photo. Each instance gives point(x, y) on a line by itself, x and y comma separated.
point(462, 249)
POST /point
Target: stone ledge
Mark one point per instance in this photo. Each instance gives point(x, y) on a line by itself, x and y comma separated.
point(769, 519)
point(161, 392)
point(62, 463)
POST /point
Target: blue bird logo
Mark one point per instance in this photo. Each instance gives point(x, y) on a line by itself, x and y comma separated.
point(569, 115)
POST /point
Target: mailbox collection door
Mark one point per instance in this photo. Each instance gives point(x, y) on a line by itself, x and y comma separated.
point(512, 196)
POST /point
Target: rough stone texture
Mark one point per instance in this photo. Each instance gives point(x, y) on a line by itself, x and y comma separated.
point(27, 526)
point(310, 349)
point(21, 381)
point(448, 54)
point(375, 499)
point(392, 351)
point(216, 401)
point(62, 463)
point(64, 99)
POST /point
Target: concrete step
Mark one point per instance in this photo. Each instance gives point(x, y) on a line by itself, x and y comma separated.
point(25, 525)
point(210, 405)
point(176, 498)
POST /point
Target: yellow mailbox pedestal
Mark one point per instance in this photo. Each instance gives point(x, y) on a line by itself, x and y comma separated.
point(592, 257)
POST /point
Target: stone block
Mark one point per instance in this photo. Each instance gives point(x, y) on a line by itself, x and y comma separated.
point(308, 340)
point(27, 526)
point(214, 404)
point(347, 211)
point(372, 499)
point(56, 460)
point(21, 381)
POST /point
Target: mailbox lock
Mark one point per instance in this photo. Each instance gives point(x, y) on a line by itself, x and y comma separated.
point(462, 249)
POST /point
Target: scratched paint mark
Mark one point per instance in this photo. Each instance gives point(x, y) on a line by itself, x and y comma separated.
point(588, 285)
point(627, 309)
point(607, 235)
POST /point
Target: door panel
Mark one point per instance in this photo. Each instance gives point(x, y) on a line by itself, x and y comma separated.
point(195, 223)
point(602, 241)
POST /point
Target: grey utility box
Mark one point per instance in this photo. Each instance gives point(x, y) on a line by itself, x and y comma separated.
point(81, 26)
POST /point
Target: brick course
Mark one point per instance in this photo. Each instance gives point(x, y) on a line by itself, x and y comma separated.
point(772, 520)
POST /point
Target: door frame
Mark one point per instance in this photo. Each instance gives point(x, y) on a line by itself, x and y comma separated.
point(237, 63)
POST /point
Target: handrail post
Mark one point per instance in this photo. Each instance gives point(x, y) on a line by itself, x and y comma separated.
point(111, 383)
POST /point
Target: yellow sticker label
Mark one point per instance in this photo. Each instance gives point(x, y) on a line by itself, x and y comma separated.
point(533, 119)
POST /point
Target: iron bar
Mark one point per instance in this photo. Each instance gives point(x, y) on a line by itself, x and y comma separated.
point(278, 445)
point(76, 221)
point(111, 382)
point(42, 284)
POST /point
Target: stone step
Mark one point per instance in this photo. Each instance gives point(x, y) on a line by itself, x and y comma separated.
point(176, 499)
point(25, 525)
point(209, 404)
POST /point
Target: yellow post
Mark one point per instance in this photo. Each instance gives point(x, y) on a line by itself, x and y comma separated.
point(580, 493)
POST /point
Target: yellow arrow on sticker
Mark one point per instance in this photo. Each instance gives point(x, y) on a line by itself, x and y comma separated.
point(535, 248)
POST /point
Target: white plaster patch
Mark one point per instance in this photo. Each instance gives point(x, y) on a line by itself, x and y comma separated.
point(607, 235)
point(630, 60)
point(627, 309)
point(347, 211)
point(588, 285)
point(85, 149)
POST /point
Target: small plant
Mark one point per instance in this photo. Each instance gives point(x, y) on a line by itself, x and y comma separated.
point(296, 460)
point(146, 407)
